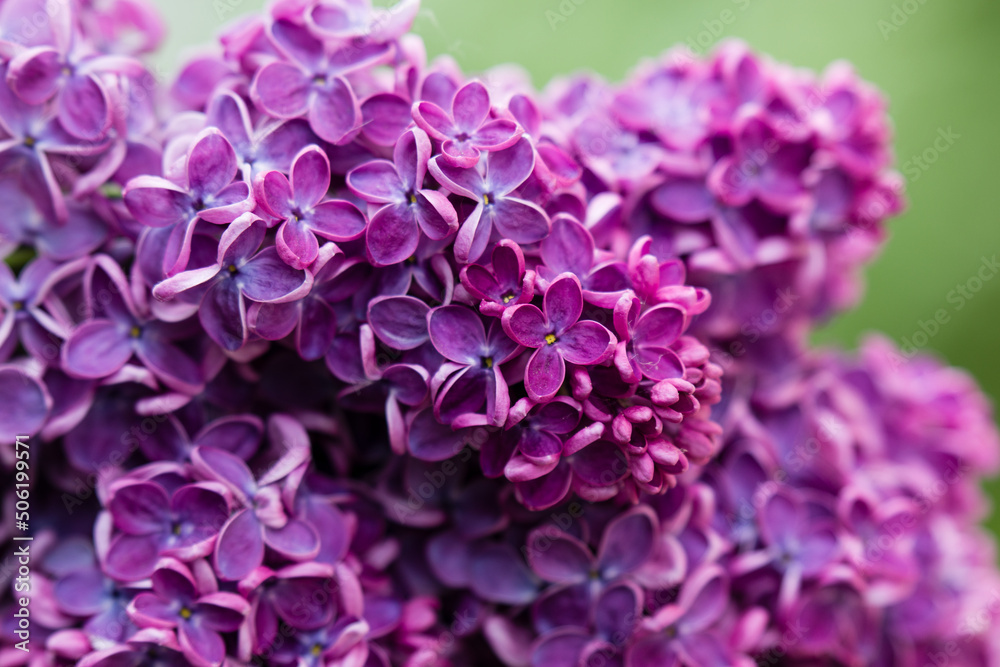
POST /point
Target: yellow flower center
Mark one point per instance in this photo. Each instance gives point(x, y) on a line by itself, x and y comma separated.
point(29, 141)
point(232, 268)
point(317, 649)
point(413, 198)
point(488, 362)
point(508, 297)
point(550, 338)
point(486, 199)
point(185, 613)
point(134, 331)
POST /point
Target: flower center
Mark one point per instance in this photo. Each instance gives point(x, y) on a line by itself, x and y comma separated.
point(411, 197)
point(487, 362)
point(232, 268)
point(176, 529)
point(111, 190)
point(135, 331)
point(316, 649)
point(185, 613)
point(550, 338)
point(508, 297)
point(486, 199)
point(17, 305)
point(29, 141)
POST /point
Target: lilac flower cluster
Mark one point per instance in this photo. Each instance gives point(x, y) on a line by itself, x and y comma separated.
point(333, 357)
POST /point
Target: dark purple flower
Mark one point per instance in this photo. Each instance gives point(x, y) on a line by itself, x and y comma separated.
point(25, 403)
point(558, 336)
point(681, 633)
point(312, 319)
point(467, 130)
point(761, 166)
point(30, 220)
point(519, 220)
point(474, 375)
point(407, 208)
point(569, 248)
point(34, 138)
point(153, 523)
point(800, 546)
point(240, 274)
point(644, 339)
point(199, 614)
point(506, 283)
point(262, 519)
point(22, 307)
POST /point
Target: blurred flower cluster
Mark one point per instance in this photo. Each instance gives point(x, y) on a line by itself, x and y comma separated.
point(331, 356)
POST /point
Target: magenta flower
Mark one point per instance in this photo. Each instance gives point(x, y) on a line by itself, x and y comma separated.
point(311, 81)
point(517, 219)
point(180, 602)
point(570, 248)
point(407, 208)
point(303, 214)
point(240, 273)
point(681, 633)
point(761, 167)
point(172, 211)
point(467, 130)
point(506, 283)
point(644, 340)
point(558, 336)
point(474, 375)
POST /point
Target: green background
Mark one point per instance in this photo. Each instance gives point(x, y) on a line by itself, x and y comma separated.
point(935, 60)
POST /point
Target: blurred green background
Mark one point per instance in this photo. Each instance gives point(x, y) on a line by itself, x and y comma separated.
point(935, 59)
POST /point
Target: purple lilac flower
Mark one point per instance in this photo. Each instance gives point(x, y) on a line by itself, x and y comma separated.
point(155, 523)
point(517, 219)
point(504, 284)
point(476, 357)
point(180, 602)
point(121, 326)
point(557, 335)
point(301, 211)
point(406, 208)
point(466, 130)
point(310, 81)
point(240, 274)
point(262, 521)
point(172, 211)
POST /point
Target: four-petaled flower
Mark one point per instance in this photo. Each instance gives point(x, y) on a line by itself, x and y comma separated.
point(558, 336)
